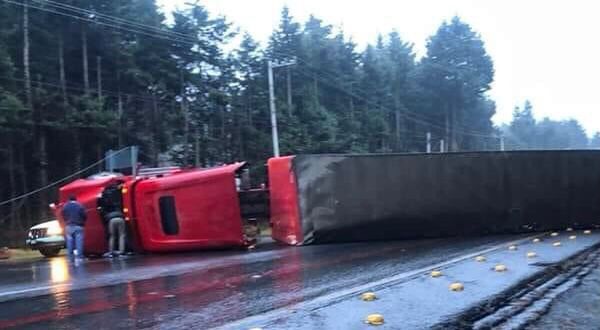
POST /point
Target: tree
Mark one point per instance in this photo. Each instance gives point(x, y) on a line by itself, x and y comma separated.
point(376, 128)
point(401, 59)
point(524, 132)
point(458, 72)
point(253, 129)
point(522, 129)
point(12, 115)
point(119, 75)
point(595, 141)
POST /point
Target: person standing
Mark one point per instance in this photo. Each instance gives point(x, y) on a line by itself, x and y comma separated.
point(74, 216)
point(110, 205)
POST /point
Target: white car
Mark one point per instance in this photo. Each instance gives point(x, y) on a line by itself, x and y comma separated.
point(47, 237)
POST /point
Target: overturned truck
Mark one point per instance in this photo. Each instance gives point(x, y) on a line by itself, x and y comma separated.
point(171, 209)
point(340, 198)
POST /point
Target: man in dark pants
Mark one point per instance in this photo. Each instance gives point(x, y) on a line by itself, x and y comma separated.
point(74, 216)
point(110, 205)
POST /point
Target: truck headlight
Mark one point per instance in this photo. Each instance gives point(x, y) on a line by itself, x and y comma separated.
point(54, 229)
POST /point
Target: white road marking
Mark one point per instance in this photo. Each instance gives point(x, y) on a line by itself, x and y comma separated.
point(40, 288)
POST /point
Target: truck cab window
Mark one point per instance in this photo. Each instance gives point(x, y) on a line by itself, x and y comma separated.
point(168, 215)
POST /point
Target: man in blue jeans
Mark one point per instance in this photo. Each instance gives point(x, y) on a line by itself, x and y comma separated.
point(74, 215)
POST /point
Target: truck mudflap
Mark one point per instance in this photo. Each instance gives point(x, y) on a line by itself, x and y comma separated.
point(194, 209)
point(340, 198)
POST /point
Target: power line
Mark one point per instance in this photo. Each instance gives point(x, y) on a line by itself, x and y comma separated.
point(33, 192)
point(116, 19)
point(410, 115)
point(105, 91)
point(113, 22)
point(94, 13)
point(88, 12)
point(178, 37)
point(113, 94)
point(90, 20)
point(417, 120)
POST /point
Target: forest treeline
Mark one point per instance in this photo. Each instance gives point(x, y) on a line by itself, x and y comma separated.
point(79, 77)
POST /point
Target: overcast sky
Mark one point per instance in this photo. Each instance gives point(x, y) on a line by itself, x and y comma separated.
point(544, 51)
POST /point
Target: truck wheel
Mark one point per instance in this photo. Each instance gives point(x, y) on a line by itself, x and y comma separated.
point(49, 252)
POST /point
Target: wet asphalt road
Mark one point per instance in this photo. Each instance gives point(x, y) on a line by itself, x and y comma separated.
point(208, 289)
point(418, 301)
point(574, 309)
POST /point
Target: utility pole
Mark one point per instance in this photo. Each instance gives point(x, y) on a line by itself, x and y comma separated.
point(428, 142)
point(197, 147)
point(99, 76)
point(289, 90)
point(86, 77)
point(271, 65)
point(273, 112)
point(351, 101)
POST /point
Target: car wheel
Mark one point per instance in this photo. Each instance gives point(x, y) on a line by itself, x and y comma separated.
point(50, 252)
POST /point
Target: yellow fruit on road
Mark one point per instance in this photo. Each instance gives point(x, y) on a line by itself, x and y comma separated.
point(531, 254)
point(480, 259)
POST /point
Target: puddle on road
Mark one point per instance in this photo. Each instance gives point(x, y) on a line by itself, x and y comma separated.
point(59, 270)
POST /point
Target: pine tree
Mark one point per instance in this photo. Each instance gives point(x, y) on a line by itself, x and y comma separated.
point(522, 130)
point(458, 71)
point(595, 141)
point(251, 104)
point(119, 75)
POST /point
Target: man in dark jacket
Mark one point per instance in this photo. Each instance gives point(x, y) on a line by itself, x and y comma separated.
point(110, 205)
point(74, 216)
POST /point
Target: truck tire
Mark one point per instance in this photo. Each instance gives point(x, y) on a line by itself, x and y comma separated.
point(50, 252)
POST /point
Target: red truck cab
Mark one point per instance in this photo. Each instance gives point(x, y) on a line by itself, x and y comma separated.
point(185, 210)
point(166, 209)
point(87, 192)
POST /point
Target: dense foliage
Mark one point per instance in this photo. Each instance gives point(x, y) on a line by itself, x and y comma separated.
point(79, 77)
point(524, 132)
